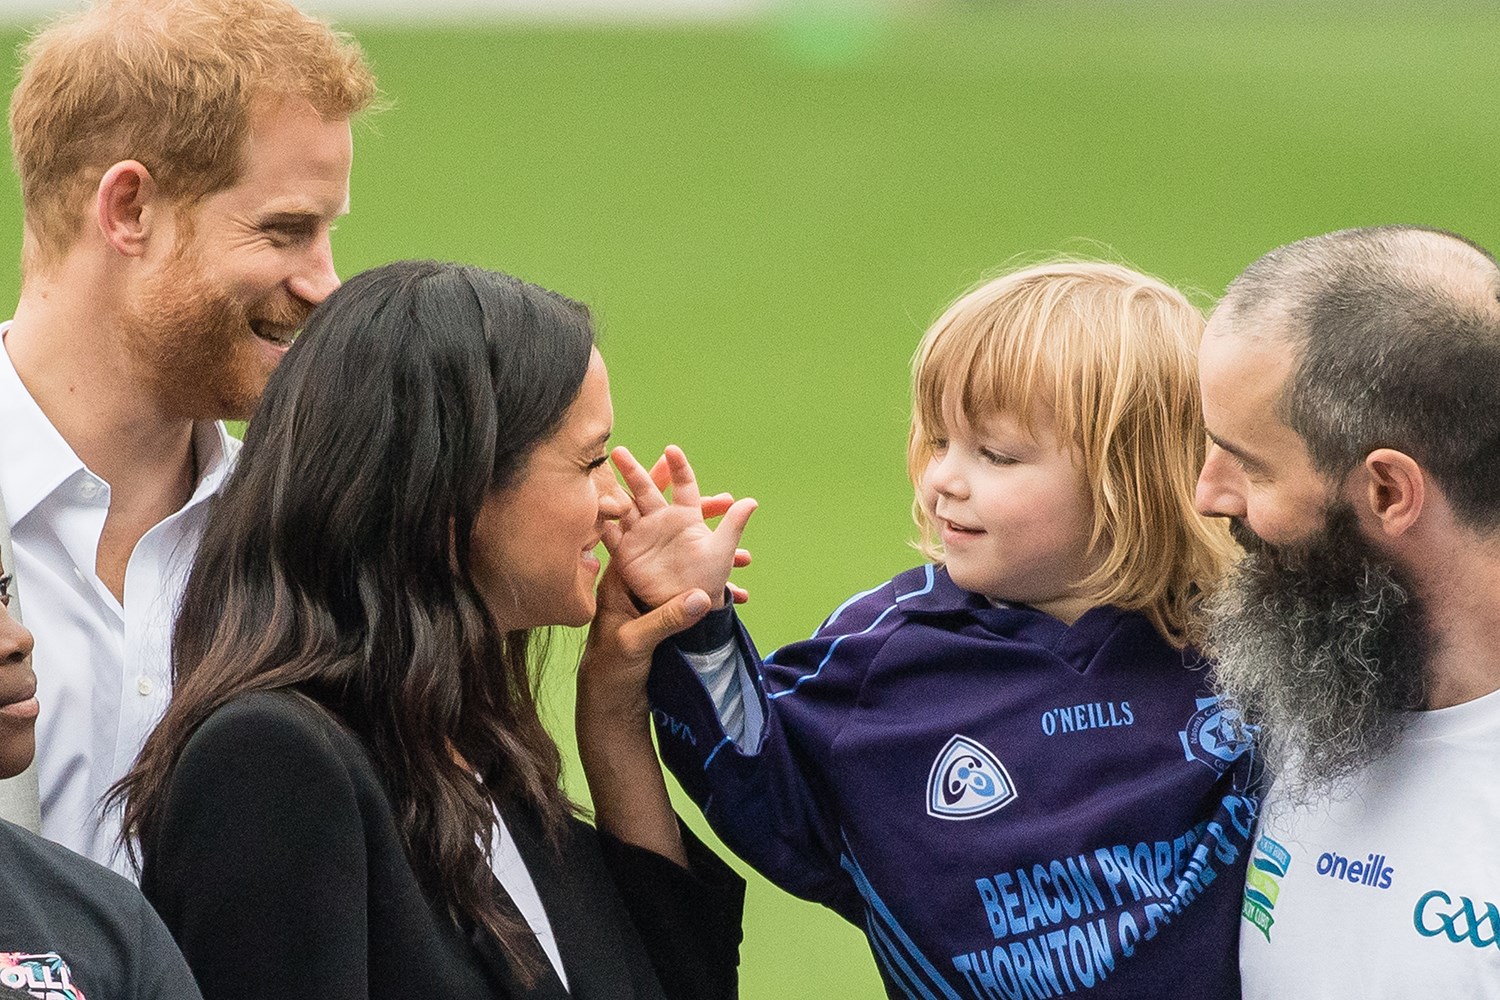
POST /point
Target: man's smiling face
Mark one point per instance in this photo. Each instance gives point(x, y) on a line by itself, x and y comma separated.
point(246, 266)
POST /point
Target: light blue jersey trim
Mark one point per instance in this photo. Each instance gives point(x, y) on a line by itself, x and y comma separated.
point(773, 695)
point(715, 752)
point(881, 945)
point(926, 589)
point(931, 580)
point(875, 907)
point(845, 606)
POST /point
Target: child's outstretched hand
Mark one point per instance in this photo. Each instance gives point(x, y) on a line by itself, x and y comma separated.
point(662, 547)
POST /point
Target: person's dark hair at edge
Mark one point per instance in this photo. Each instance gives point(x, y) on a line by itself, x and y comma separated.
point(1398, 328)
point(336, 559)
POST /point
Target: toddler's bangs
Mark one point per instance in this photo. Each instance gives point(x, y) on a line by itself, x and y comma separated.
point(980, 366)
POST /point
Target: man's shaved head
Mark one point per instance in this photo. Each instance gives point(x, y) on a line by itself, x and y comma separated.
point(1397, 336)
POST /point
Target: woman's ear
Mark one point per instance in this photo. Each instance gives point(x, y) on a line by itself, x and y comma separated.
point(125, 206)
point(1395, 490)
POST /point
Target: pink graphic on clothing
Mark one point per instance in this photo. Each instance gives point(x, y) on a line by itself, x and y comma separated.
point(44, 976)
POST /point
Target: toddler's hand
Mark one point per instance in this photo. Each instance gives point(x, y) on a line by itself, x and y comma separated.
point(664, 548)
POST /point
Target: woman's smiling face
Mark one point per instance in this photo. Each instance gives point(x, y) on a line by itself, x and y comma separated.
point(533, 543)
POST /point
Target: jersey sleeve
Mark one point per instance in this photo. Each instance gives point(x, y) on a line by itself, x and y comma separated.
point(258, 866)
point(773, 799)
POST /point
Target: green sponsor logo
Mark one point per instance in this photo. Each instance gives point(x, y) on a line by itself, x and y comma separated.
point(1262, 887)
point(1259, 916)
point(1261, 881)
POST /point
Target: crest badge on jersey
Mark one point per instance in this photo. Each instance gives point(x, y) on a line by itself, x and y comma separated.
point(967, 781)
point(1215, 735)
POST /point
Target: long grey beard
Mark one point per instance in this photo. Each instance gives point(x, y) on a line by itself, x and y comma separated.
point(1321, 646)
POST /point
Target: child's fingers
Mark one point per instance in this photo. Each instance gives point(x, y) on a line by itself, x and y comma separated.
point(739, 594)
point(638, 481)
point(735, 519)
point(741, 558)
point(661, 475)
point(716, 505)
point(684, 483)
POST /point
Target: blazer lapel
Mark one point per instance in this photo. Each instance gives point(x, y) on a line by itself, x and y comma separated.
point(497, 964)
point(588, 941)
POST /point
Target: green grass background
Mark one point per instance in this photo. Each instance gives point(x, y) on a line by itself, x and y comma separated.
point(765, 216)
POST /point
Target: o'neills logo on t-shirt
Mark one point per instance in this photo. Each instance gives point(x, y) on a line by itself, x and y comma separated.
point(44, 976)
point(1373, 871)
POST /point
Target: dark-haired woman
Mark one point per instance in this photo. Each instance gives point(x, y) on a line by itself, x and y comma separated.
point(351, 794)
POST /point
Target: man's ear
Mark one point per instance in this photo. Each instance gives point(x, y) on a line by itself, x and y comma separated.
point(1395, 490)
point(126, 207)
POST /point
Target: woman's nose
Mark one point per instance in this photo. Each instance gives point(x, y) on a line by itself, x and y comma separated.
point(613, 500)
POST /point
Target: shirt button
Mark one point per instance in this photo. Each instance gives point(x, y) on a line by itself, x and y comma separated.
point(89, 489)
point(144, 685)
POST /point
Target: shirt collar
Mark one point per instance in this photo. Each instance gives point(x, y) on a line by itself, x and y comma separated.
point(34, 458)
point(929, 590)
point(216, 450)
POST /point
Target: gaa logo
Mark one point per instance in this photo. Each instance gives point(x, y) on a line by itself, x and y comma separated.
point(967, 781)
point(1465, 921)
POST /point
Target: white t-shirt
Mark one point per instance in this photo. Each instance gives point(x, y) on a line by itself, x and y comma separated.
point(1392, 890)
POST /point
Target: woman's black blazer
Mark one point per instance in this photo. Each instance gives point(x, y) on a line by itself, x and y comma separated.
point(279, 870)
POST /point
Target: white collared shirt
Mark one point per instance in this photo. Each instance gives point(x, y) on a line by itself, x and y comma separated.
point(103, 669)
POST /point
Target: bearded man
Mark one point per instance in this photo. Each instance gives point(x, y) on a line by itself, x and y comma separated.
point(182, 163)
point(1351, 388)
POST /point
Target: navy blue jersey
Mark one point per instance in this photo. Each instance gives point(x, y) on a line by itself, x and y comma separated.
point(1008, 806)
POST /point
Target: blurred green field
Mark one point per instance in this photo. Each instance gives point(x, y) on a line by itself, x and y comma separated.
point(766, 216)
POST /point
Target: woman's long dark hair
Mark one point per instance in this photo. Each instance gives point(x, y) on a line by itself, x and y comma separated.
point(335, 561)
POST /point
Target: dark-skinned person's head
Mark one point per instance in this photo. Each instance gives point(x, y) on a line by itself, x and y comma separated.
point(18, 704)
point(1349, 390)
